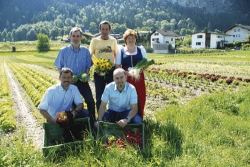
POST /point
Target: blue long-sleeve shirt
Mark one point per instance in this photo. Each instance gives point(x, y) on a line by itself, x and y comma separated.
point(77, 60)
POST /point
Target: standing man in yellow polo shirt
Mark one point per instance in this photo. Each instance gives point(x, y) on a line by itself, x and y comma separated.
point(103, 46)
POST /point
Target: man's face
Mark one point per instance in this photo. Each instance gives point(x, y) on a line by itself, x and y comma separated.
point(104, 30)
point(66, 79)
point(120, 80)
point(76, 38)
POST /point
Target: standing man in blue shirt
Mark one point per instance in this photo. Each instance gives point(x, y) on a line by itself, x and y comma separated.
point(78, 58)
point(60, 97)
point(121, 98)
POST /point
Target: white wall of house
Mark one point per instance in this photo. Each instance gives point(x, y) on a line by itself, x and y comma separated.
point(162, 39)
point(236, 33)
point(198, 40)
point(215, 39)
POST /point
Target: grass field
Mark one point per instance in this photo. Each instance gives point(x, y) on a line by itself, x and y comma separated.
point(209, 129)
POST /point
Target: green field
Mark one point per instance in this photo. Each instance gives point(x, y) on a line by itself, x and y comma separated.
point(199, 123)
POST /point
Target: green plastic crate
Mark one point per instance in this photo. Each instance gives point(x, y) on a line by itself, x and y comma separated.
point(107, 129)
point(53, 137)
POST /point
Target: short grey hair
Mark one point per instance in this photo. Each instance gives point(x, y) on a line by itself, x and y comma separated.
point(75, 29)
point(66, 70)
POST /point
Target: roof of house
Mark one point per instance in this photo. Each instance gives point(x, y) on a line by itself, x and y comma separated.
point(211, 33)
point(239, 25)
point(166, 33)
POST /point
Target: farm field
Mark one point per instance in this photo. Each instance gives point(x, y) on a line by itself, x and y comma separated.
point(197, 112)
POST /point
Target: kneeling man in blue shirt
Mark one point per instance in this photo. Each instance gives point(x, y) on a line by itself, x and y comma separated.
point(121, 98)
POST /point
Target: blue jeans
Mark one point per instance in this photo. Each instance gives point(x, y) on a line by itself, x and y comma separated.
point(84, 113)
point(113, 116)
point(100, 83)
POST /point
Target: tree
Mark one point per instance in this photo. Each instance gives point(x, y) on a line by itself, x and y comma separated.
point(217, 31)
point(205, 30)
point(92, 27)
point(8, 36)
point(43, 43)
point(4, 34)
point(31, 35)
point(44, 30)
point(61, 32)
point(1, 36)
point(54, 32)
point(247, 38)
point(237, 43)
point(13, 34)
point(188, 40)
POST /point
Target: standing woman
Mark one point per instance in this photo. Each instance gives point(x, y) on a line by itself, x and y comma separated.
point(128, 57)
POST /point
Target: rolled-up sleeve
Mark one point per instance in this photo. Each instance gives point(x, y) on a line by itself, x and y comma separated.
point(133, 96)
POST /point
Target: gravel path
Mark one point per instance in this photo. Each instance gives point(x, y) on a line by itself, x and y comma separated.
point(24, 117)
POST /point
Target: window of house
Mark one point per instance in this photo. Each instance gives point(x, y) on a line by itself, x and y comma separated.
point(199, 36)
point(233, 35)
point(238, 30)
point(198, 43)
point(235, 30)
point(171, 39)
point(236, 35)
point(239, 35)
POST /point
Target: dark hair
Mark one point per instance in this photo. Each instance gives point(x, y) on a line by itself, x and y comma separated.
point(104, 22)
point(75, 29)
point(129, 32)
point(66, 70)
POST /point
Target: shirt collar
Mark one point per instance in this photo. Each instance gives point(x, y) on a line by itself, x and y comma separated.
point(71, 47)
point(124, 89)
point(61, 88)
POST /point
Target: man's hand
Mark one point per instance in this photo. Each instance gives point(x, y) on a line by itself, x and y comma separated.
point(122, 122)
point(74, 113)
point(96, 124)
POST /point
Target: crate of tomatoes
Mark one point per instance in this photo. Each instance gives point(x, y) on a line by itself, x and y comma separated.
point(63, 137)
point(112, 135)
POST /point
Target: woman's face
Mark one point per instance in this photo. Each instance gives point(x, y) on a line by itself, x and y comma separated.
point(131, 40)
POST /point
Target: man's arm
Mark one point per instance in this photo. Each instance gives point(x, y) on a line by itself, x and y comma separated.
point(131, 114)
point(133, 111)
point(47, 116)
point(77, 109)
point(102, 110)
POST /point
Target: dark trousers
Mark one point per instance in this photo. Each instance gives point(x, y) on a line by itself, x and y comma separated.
point(100, 83)
point(86, 93)
point(113, 116)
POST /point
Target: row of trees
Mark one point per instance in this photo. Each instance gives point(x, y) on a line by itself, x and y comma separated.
point(56, 17)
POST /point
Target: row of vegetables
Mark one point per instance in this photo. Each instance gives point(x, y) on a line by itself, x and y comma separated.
point(7, 113)
point(173, 84)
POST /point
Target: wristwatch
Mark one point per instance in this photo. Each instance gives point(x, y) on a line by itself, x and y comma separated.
point(128, 120)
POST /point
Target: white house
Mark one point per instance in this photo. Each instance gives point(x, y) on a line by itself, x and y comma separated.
point(208, 40)
point(160, 40)
point(237, 32)
point(212, 40)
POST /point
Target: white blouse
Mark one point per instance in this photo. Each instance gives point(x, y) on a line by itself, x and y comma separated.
point(118, 55)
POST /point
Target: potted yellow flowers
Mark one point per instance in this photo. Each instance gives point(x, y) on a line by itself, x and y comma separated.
point(101, 65)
